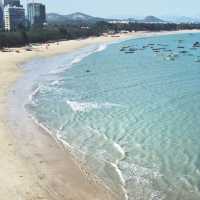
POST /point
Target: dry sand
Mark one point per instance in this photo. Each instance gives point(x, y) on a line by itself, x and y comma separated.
point(32, 165)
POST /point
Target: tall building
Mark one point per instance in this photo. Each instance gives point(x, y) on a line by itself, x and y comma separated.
point(12, 3)
point(13, 17)
point(1, 15)
point(36, 13)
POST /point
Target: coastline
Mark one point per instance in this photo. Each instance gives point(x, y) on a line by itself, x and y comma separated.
point(39, 168)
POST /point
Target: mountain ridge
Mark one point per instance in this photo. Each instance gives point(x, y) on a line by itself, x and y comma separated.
point(74, 17)
point(79, 17)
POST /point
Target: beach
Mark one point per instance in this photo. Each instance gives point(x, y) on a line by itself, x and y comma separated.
point(33, 165)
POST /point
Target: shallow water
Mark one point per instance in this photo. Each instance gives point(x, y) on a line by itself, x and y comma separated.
point(133, 118)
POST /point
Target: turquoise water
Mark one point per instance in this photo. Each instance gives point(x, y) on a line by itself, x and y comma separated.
point(132, 117)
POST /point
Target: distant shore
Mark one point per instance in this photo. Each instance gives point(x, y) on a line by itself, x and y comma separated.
point(34, 166)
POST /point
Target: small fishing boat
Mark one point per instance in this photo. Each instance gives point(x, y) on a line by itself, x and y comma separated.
point(129, 52)
point(124, 48)
point(183, 52)
point(197, 60)
point(196, 44)
point(172, 56)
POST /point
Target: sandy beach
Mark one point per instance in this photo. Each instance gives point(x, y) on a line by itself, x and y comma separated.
point(33, 165)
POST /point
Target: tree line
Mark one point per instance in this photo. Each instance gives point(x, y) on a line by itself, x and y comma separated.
point(23, 37)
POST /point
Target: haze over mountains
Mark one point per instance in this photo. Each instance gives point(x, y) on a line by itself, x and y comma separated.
point(72, 18)
point(181, 19)
point(84, 18)
point(81, 17)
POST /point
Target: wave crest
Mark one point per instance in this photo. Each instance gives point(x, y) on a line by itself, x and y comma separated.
point(88, 106)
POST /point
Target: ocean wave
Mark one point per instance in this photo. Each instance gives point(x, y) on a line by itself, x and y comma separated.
point(78, 58)
point(122, 180)
point(98, 160)
point(55, 83)
point(118, 153)
point(88, 106)
point(140, 177)
point(102, 47)
point(34, 94)
point(81, 151)
point(60, 69)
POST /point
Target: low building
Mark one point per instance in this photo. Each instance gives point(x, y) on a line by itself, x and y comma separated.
point(14, 17)
point(36, 14)
point(119, 22)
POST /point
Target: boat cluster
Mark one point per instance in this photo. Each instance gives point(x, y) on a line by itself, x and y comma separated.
point(159, 49)
point(196, 45)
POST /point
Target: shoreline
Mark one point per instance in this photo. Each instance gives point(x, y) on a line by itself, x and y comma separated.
point(39, 168)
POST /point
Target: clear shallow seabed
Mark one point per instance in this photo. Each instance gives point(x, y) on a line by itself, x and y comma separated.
point(133, 116)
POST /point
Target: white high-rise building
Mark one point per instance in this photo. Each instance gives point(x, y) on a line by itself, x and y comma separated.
point(14, 15)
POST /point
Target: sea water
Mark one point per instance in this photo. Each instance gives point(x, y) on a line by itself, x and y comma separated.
point(130, 112)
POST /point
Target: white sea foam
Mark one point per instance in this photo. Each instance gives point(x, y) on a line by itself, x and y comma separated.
point(123, 182)
point(102, 47)
point(66, 144)
point(34, 94)
point(78, 59)
point(88, 106)
point(60, 69)
point(56, 83)
point(86, 54)
point(82, 107)
point(79, 150)
point(117, 169)
point(120, 150)
point(114, 164)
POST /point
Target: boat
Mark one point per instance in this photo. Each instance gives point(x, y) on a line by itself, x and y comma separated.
point(197, 60)
point(172, 57)
point(124, 48)
point(132, 49)
point(196, 44)
point(128, 52)
point(183, 52)
point(167, 50)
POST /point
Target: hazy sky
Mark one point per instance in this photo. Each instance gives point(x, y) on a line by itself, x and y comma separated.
point(108, 8)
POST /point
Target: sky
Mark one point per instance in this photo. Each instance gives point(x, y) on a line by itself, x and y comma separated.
point(126, 8)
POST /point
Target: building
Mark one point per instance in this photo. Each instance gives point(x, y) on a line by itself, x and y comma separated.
point(119, 22)
point(36, 14)
point(12, 3)
point(13, 17)
point(1, 16)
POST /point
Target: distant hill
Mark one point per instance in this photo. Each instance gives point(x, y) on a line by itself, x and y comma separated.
point(152, 19)
point(81, 18)
point(182, 19)
point(72, 18)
